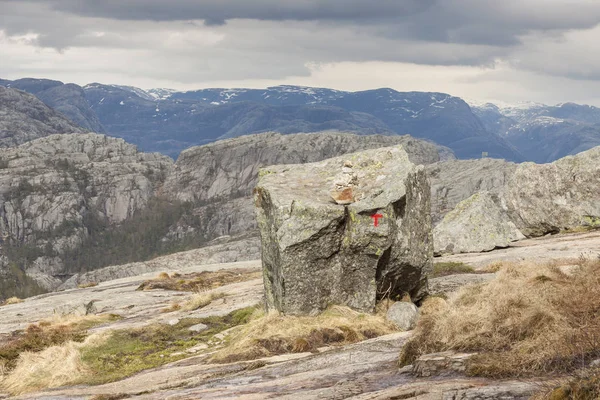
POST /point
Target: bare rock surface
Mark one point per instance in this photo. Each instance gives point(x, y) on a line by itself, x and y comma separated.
point(219, 177)
point(476, 224)
point(138, 307)
point(243, 249)
point(445, 285)
point(366, 370)
point(316, 252)
point(23, 118)
point(526, 199)
point(230, 167)
point(453, 181)
point(543, 198)
point(542, 249)
point(51, 186)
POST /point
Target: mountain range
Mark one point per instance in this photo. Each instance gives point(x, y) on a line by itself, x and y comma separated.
point(169, 121)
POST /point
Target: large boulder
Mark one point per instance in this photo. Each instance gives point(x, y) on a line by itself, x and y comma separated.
point(453, 181)
point(546, 198)
point(476, 224)
point(316, 252)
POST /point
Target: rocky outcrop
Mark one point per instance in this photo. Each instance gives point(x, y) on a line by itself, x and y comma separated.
point(544, 198)
point(23, 118)
point(476, 224)
point(229, 168)
point(219, 177)
point(456, 180)
point(316, 253)
point(54, 190)
point(503, 202)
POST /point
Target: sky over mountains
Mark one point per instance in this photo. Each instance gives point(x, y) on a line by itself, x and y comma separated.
point(514, 50)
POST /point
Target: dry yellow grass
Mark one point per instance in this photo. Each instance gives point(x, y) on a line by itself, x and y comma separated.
point(200, 300)
point(31, 347)
point(531, 319)
point(53, 367)
point(12, 300)
point(271, 334)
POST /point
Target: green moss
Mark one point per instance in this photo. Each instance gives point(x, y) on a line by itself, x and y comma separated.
point(127, 352)
point(591, 221)
point(264, 172)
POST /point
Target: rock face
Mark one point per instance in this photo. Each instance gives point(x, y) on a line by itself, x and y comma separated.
point(23, 118)
point(316, 253)
point(52, 191)
point(526, 199)
point(456, 180)
point(219, 177)
point(543, 198)
point(476, 224)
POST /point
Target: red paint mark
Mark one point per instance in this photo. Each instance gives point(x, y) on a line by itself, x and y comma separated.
point(376, 218)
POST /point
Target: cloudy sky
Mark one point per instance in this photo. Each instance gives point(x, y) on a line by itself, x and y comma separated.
point(510, 50)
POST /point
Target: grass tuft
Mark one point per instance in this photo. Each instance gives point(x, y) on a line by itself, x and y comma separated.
point(12, 300)
point(531, 319)
point(201, 300)
point(273, 333)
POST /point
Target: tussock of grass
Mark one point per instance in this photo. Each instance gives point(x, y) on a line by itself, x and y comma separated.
point(201, 300)
point(11, 300)
point(126, 352)
point(584, 386)
point(53, 367)
point(272, 334)
point(451, 268)
point(48, 333)
point(200, 281)
point(531, 319)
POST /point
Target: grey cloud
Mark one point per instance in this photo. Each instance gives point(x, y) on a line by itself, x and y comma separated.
point(274, 39)
point(216, 11)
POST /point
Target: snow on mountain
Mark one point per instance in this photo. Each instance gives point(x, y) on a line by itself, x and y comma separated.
point(161, 93)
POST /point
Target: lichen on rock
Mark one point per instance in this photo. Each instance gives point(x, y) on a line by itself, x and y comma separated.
point(316, 252)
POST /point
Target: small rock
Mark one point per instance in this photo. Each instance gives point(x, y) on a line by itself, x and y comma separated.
point(197, 348)
point(198, 328)
point(404, 315)
point(173, 322)
point(595, 363)
point(348, 164)
point(346, 170)
point(343, 197)
point(440, 364)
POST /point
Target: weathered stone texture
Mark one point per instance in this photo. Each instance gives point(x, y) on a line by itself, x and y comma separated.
point(476, 224)
point(316, 253)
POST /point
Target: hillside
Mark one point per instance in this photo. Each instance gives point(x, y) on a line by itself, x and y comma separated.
point(79, 202)
point(169, 122)
point(543, 133)
point(23, 118)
